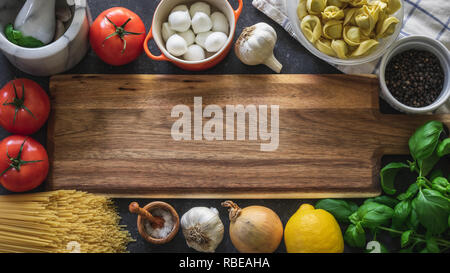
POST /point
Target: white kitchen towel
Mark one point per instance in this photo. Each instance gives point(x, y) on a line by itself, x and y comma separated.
point(422, 17)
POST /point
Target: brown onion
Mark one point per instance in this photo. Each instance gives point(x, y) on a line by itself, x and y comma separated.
point(254, 229)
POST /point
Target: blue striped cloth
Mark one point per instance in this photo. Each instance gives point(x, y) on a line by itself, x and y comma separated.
point(422, 17)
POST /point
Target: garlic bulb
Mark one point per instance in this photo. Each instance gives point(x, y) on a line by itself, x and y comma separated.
point(202, 228)
point(255, 46)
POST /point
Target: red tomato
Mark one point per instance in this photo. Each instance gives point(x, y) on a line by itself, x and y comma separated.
point(22, 171)
point(24, 107)
point(117, 36)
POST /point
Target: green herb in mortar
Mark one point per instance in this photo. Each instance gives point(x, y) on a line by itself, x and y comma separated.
point(16, 37)
point(420, 216)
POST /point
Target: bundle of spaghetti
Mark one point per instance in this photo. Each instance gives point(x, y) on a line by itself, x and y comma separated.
point(60, 221)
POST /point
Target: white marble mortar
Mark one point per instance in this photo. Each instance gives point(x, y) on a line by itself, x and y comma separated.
point(56, 57)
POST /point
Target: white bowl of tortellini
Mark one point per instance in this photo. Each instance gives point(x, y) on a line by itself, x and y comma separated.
point(346, 32)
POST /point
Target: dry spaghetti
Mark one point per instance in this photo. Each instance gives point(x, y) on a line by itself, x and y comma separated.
point(60, 221)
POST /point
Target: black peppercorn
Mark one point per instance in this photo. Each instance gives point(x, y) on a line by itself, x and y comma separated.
point(415, 77)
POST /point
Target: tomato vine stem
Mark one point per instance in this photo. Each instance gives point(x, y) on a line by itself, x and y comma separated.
point(17, 162)
point(18, 103)
point(121, 32)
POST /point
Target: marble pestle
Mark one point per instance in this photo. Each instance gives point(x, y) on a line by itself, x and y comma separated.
point(37, 19)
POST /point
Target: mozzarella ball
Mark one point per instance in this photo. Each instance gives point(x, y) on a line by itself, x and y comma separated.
point(215, 41)
point(180, 8)
point(194, 53)
point(188, 36)
point(201, 22)
point(176, 45)
point(200, 39)
point(220, 22)
point(200, 6)
point(180, 21)
point(166, 31)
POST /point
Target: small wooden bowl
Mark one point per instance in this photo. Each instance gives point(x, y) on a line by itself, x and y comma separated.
point(141, 221)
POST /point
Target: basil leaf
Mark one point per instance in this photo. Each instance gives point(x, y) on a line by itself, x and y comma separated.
point(384, 199)
point(401, 213)
point(388, 174)
point(355, 236)
point(406, 238)
point(440, 184)
point(374, 214)
point(354, 218)
point(413, 220)
point(443, 148)
point(432, 210)
point(424, 141)
point(340, 209)
point(16, 37)
point(410, 192)
point(427, 164)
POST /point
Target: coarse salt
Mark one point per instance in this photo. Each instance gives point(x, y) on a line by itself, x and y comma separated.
point(160, 233)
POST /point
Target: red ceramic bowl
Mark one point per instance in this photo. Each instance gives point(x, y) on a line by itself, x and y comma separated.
point(162, 13)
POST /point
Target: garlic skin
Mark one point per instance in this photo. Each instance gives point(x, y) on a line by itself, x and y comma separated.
point(176, 45)
point(200, 39)
point(194, 53)
point(202, 229)
point(180, 21)
point(166, 31)
point(201, 22)
point(255, 46)
point(188, 36)
point(220, 22)
point(200, 7)
point(215, 41)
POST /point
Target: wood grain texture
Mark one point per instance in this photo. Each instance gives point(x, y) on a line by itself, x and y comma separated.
point(111, 134)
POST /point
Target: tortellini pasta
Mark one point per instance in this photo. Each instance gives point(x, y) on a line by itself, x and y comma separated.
point(332, 29)
point(347, 28)
point(324, 45)
point(315, 6)
point(386, 27)
point(352, 35)
point(311, 27)
point(301, 9)
point(340, 48)
point(332, 13)
point(364, 48)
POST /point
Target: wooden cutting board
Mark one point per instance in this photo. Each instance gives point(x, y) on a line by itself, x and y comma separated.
point(111, 134)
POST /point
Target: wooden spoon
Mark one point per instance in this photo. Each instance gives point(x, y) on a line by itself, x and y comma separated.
point(155, 221)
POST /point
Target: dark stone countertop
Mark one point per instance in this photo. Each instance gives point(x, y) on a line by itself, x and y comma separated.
point(296, 60)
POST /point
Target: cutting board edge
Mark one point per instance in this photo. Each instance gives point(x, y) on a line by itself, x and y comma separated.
point(279, 195)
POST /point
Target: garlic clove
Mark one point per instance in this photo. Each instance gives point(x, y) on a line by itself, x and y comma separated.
point(200, 39)
point(176, 45)
point(194, 53)
point(200, 7)
point(166, 31)
point(180, 8)
point(201, 22)
point(188, 36)
point(215, 41)
point(180, 21)
point(220, 22)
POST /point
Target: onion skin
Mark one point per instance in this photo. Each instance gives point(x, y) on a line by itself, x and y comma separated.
point(255, 229)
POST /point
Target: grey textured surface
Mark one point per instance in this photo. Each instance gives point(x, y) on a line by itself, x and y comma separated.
point(295, 59)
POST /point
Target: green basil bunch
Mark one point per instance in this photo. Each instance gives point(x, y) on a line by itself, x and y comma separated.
point(420, 216)
point(16, 37)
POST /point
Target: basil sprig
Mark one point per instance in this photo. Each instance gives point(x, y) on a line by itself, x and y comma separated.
point(420, 216)
point(16, 37)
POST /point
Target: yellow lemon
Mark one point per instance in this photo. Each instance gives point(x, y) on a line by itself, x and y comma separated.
point(312, 230)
